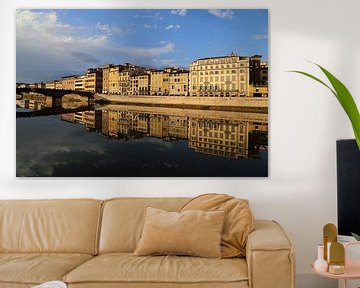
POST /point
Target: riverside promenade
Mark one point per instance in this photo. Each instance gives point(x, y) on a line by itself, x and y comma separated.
point(226, 103)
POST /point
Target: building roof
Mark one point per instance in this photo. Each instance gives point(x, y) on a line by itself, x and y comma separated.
point(69, 76)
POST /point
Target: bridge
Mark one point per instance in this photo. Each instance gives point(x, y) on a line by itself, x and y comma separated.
point(55, 93)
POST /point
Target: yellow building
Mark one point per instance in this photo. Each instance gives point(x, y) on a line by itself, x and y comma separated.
point(50, 85)
point(179, 83)
point(57, 84)
point(264, 73)
point(159, 82)
point(93, 80)
point(114, 79)
point(140, 84)
point(79, 83)
point(125, 82)
point(68, 82)
point(258, 90)
point(225, 76)
point(106, 71)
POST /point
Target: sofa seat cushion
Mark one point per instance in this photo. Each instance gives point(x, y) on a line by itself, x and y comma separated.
point(127, 268)
point(36, 268)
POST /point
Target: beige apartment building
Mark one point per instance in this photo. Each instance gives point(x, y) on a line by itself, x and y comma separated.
point(140, 84)
point(106, 72)
point(50, 85)
point(68, 82)
point(125, 82)
point(225, 76)
point(120, 81)
point(179, 83)
point(160, 82)
point(94, 80)
point(79, 83)
point(114, 79)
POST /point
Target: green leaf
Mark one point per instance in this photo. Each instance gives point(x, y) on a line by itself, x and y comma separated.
point(344, 97)
point(357, 237)
point(346, 100)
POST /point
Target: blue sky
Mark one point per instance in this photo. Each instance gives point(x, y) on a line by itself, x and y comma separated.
point(55, 43)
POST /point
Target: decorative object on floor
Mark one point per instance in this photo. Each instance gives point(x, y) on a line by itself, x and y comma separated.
point(194, 233)
point(337, 258)
point(329, 236)
point(344, 97)
point(175, 100)
point(52, 284)
point(239, 220)
point(320, 264)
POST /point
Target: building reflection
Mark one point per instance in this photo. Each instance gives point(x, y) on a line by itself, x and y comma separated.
point(216, 135)
point(90, 119)
point(34, 101)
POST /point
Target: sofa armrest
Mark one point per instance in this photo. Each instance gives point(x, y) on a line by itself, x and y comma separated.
point(269, 256)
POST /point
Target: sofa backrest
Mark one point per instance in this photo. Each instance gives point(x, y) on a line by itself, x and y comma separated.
point(123, 220)
point(67, 226)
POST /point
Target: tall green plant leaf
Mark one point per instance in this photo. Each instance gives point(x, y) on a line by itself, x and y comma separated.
point(357, 237)
point(344, 97)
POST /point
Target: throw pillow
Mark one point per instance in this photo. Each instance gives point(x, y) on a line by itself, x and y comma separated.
point(196, 233)
point(238, 224)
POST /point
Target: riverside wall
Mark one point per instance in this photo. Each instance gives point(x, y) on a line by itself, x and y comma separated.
point(235, 102)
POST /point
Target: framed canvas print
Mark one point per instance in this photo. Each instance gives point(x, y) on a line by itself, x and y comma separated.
point(134, 93)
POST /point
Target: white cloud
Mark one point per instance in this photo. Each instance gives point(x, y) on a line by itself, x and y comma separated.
point(180, 12)
point(45, 46)
point(174, 27)
point(147, 26)
point(104, 28)
point(260, 36)
point(47, 49)
point(167, 62)
point(156, 16)
point(222, 13)
point(145, 52)
point(45, 26)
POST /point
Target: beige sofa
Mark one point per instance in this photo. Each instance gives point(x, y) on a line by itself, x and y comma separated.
point(89, 243)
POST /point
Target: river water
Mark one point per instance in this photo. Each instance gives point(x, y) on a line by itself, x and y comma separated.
point(141, 141)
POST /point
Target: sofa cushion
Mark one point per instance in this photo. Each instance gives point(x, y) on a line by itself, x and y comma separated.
point(36, 268)
point(63, 226)
point(126, 268)
point(194, 232)
point(239, 220)
point(123, 220)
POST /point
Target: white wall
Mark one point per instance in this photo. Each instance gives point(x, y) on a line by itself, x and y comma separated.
point(305, 121)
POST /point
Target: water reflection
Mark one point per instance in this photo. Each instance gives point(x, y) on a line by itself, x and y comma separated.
point(139, 141)
point(219, 133)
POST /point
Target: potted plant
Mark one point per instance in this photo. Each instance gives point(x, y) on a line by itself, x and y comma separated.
point(344, 97)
